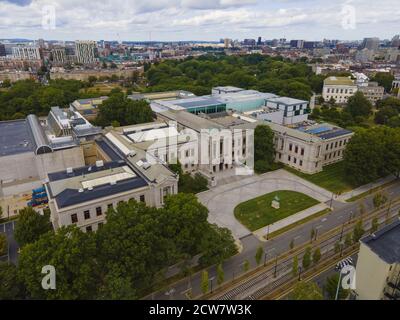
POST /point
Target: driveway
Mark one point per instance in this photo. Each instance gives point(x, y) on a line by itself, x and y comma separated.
point(222, 199)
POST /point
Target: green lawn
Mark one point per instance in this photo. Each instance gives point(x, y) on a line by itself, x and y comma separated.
point(332, 178)
point(257, 213)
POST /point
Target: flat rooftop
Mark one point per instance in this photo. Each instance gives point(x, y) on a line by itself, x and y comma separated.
point(323, 131)
point(338, 81)
point(91, 183)
point(287, 101)
point(15, 138)
point(198, 102)
point(385, 242)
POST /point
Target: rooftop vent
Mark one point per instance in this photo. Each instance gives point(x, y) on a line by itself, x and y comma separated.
point(80, 190)
point(90, 188)
point(99, 163)
point(132, 153)
point(69, 170)
point(113, 183)
point(146, 165)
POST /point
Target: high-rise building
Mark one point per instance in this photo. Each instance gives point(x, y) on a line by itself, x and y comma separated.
point(249, 42)
point(227, 42)
point(26, 52)
point(395, 41)
point(259, 41)
point(86, 51)
point(59, 56)
point(297, 44)
point(308, 44)
point(370, 43)
point(2, 50)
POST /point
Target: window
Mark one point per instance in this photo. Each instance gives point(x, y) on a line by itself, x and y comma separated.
point(120, 202)
point(290, 147)
point(301, 162)
point(100, 225)
point(289, 158)
point(336, 143)
point(110, 206)
point(294, 160)
point(86, 214)
point(99, 212)
point(302, 151)
point(327, 146)
point(296, 149)
point(340, 143)
point(89, 229)
point(142, 199)
point(74, 218)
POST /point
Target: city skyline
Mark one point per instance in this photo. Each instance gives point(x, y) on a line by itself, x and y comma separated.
point(187, 20)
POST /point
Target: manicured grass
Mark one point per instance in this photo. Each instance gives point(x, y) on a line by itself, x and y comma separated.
point(257, 213)
point(332, 178)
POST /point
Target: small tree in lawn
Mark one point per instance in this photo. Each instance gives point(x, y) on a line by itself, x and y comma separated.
point(358, 231)
point(348, 240)
point(307, 258)
point(374, 225)
point(259, 255)
point(291, 244)
point(246, 265)
point(3, 244)
point(312, 234)
point(295, 266)
point(204, 282)
point(316, 256)
point(220, 274)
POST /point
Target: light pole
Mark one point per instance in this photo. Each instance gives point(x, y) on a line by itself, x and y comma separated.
point(276, 265)
point(341, 233)
point(338, 285)
point(299, 273)
point(351, 216)
point(267, 232)
point(211, 283)
point(265, 258)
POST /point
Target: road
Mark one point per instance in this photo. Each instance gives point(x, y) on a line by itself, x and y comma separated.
point(8, 229)
point(300, 235)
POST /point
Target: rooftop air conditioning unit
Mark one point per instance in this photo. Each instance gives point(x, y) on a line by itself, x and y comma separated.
point(69, 170)
point(132, 153)
point(99, 163)
point(146, 165)
point(80, 190)
point(90, 188)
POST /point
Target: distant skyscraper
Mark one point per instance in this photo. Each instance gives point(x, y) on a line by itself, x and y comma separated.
point(86, 51)
point(370, 43)
point(249, 42)
point(297, 44)
point(308, 44)
point(227, 42)
point(259, 42)
point(2, 50)
point(395, 41)
point(59, 56)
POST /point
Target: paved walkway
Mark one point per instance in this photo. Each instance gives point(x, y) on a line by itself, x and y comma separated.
point(260, 233)
point(222, 199)
point(347, 195)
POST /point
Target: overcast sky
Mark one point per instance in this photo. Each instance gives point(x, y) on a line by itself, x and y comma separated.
point(200, 19)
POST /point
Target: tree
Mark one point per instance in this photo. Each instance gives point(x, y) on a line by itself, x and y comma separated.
point(358, 231)
point(291, 244)
point(331, 285)
point(316, 255)
point(348, 240)
point(73, 255)
point(246, 265)
point(204, 282)
point(306, 291)
point(358, 105)
point(374, 225)
point(10, 288)
point(295, 266)
point(384, 79)
point(312, 234)
point(31, 225)
point(220, 274)
point(379, 200)
point(3, 244)
point(259, 255)
point(1, 211)
point(307, 258)
point(264, 149)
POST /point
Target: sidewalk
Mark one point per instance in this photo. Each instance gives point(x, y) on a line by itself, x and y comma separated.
point(355, 192)
point(260, 233)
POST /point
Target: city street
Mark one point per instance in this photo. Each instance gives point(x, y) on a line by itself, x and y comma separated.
point(276, 246)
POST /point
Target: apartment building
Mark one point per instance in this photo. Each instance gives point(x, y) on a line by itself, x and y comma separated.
point(26, 52)
point(378, 265)
point(372, 91)
point(338, 88)
point(86, 52)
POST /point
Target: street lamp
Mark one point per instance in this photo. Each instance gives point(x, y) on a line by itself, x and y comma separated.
point(351, 216)
point(265, 258)
point(276, 265)
point(211, 283)
point(341, 233)
point(267, 232)
point(300, 273)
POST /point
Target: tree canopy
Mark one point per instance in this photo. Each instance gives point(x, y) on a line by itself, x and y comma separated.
point(31, 225)
point(264, 148)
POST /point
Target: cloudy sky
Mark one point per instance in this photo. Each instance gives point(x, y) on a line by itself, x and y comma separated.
point(198, 19)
